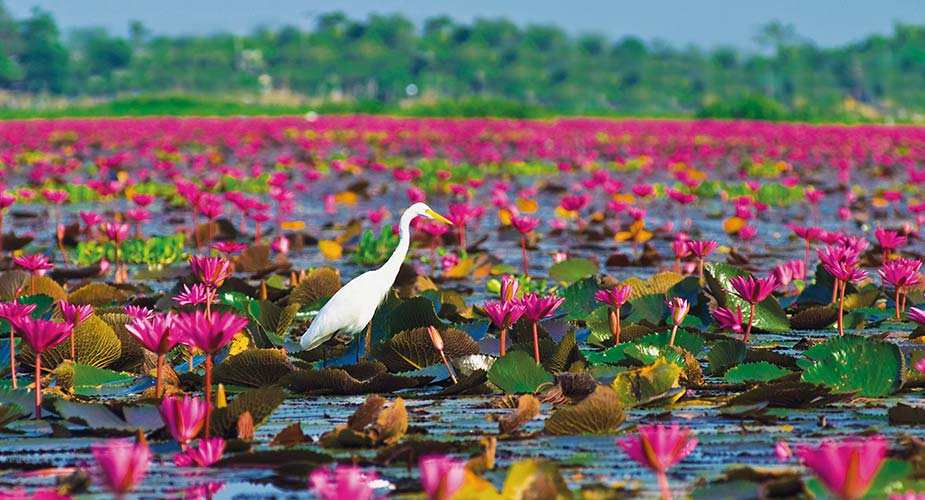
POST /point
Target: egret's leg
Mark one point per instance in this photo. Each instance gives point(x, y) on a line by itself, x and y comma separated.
point(369, 338)
point(324, 356)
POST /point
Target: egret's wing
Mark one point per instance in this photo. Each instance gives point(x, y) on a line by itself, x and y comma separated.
point(348, 311)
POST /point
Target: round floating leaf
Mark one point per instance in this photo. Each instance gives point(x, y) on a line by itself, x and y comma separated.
point(565, 354)
point(830, 346)
point(133, 352)
point(874, 369)
point(254, 368)
point(413, 313)
point(684, 339)
point(320, 283)
point(579, 298)
point(769, 316)
point(338, 381)
point(599, 413)
point(47, 286)
point(517, 372)
point(96, 343)
point(12, 283)
point(755, 372)
point(261, 403)
point(643, 385)
point(725, 354)
point(647, 354)
point(527, 408)
point(658, 284)
point(814, 318)
point(97, 295)
point(651, 308)
point(413, 349)
point(788, 394)
point(572, 270)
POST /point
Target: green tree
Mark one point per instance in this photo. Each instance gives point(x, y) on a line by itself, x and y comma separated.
point(44, 58)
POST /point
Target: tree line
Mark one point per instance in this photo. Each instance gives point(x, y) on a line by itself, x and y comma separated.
point(387, 59)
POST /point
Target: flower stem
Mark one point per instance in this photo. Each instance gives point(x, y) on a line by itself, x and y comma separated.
point(536, 344)
point(523, 251)
point(674, 331)
point(841, 306)
point(503, 340)
point(159, 388)
point(614, 326)
point(74, 344)
point(38, 385)
point(896, 299)
point(13, 357)
point(663, 486)
point(208, 393)
point(448, 369)
point(751, 317)
point(700, 266)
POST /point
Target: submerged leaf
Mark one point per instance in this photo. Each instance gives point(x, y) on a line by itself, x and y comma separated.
point(413, 349)
point(527, 408)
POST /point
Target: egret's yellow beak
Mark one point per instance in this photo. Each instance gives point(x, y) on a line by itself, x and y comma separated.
point(439, 217)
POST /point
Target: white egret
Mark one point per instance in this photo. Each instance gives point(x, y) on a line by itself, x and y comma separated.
point(351, 309)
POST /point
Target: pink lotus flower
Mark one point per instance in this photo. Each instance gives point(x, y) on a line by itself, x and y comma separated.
point(782, 450)
point(917, 315)
point(208, 334)
point(6, 199)
point(280, 244)
point(75, 314)
point(212, 271)
point(143, 200)
point(889, 240)
point(701, 249)
point(920, 365)
point(753, 290)
point(729, 320)
point(536, 309)
point(510, 287)
point(901, 273)
point(138, 311)
point(204, 454)
point(524, 223)
point(121, 464)
point(615, 298)
point(91, 219)
point(184, 418)
point(790, 271)
point(679, 308)
point(574, 203)
point(415, 194)
point(195, 295)
point(55, 196)
point(14, 312)
point(153, 332)
point(347, 482)
point(36, 264)
point(659, 448)
point(847, 467)
point(117, 232)
point(228, 247)
point(503, 313)
point(441, 476)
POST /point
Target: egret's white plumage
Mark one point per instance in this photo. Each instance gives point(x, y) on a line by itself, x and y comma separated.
point(353, 306)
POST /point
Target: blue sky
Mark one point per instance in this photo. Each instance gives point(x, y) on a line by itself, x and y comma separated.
point(707, 23)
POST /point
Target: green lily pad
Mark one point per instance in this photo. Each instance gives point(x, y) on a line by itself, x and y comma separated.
point(761, 371)
point(579, 299)
point(517, 372)
point(874, 368)
point(599, 413)
point(690, 342)
point(726, 354)
point(651, 308)
point(647, 354)
point(643, 385)
point(572, 270)
point(769, 316)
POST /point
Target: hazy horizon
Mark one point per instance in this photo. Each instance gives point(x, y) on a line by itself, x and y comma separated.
point(708, 24)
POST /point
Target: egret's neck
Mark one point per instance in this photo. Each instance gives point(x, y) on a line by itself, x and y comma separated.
point(392, 265)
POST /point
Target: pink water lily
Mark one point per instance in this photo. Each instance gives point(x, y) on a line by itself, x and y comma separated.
point(121, 464)
point(524, 224)
point(846, 467)
point(659, 448)
point(701, 249)
point(537, 308)
point(14, 313)
point(41, 335)
point(75, 315)
point(441, 476)
point(184, 417)
point(503, 313)
point(753, 290)
point(679, 308)
point(615, 298)
point(902, 274)
point(346, 482)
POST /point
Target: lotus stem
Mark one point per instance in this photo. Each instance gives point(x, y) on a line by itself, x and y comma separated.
point(615, 326)
point(663, 486)
point(896, 299)
point(448, 369)
point(74, 345)
point(13, 356)
point(751, 318)
point(257, 235)
point(462, 237)
point(841, 306)
point(1, 231)
point(503, 341)
point(806, 255)
point(208, 394)
point(536, 344)
point(67, 261)
point(32, 283)
point(674, 331)
point(159, 388)
point(523, 251)
point(38, 385)
point(700, 269)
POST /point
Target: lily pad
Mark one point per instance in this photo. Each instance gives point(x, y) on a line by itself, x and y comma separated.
point(814, 318)
point(688, 341)
point(517, 372)
point(873, 368)
point(769, 316)
point(599, 413)
point(261, 403)
point(320, 283)
point(643, 385)
point(413, 349)
point(97, 295)
point(579, 298)
point(528, 407)
point(725, 354)
point(755, 372)
point(338, 381)
point(572, 270)
point(254, 368)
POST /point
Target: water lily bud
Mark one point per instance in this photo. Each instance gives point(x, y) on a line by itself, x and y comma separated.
point(436, 338)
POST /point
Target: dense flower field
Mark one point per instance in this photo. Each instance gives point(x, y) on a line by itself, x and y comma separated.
point(614, 310)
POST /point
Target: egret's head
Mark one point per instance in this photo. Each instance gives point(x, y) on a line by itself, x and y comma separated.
point(425, 211)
